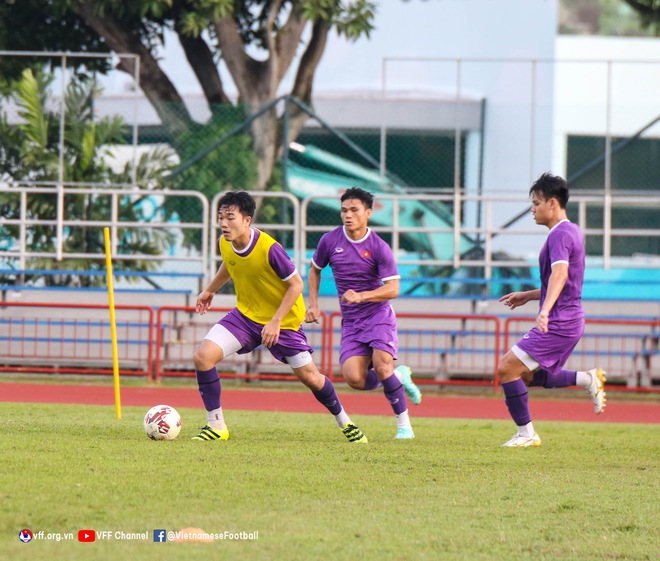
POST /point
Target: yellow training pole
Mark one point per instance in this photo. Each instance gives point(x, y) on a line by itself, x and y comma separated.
point(113, 320)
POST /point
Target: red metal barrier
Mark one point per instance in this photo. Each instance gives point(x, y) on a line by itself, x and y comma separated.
point(179, 330)
point(624, 348)
point(441, 349)
point(69, 343)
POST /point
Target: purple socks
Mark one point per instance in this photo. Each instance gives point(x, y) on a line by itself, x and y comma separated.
point(561, 379)
point(327, 397)
point(208, 382)
point(371, 382)
point(395, 394)
point(516, 400)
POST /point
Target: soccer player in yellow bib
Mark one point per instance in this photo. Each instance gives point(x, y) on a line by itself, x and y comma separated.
point(269, 311)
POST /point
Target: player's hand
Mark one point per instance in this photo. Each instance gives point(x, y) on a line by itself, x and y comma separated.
point(270, 334)
point(312, 314)
point(514, 299)
point(351, 297)
point(204, 302)
point(542, 321)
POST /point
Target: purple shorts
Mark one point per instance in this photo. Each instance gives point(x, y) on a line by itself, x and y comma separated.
point(552, 349)
point(360, 336)
point(248, 333)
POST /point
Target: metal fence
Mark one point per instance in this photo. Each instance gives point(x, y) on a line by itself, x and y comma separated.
point(436, 253)
point(626, 348)
point(450, 168)
point(75, 338)
point(441, 349)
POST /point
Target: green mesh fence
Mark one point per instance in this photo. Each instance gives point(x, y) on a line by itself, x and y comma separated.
point(166, 146)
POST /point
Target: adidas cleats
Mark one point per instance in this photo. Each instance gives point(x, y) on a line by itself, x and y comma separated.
point(412, 391)
point(597, 389)
point(207, 433)
point(404, 433)
point(520, 441)
point(354, 434)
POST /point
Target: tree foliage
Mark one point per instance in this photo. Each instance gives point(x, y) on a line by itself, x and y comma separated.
point(30, 152)
point(260, 42)
point(649, 10)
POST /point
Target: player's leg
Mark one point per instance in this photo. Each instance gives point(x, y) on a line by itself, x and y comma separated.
point(324, 391)
point(384, 338)
point(355, 367)
point(353, 374)
point(556, 351)
point(358, 341)
point(514, 368)
point(293, 349)
point(404, 374)
point(394, 392)
point(218, 343)
point(554, 379)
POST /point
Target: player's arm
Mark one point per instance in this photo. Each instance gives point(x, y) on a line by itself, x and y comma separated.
point(387, 291)
point(515, 299)
point(313, 312)
point(206, 296)
point(271, 331)
point(556, 284)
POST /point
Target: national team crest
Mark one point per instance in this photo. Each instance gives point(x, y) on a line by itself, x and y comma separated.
point(366, 254)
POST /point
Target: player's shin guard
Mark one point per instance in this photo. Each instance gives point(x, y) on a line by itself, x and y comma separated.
point(395, 394)
point(517, 401)
point(208, 382)
point(561, 379)
point(327, 397)
point(371, 381)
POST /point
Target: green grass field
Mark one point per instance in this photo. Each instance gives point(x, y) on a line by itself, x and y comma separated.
point(592, 491)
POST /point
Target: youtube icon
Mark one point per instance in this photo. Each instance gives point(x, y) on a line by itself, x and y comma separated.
point(86, 536)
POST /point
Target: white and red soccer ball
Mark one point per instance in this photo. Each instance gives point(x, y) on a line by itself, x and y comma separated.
point(162, 422)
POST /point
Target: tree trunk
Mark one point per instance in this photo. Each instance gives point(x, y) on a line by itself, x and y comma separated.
point(200, 58)
point(155, 84)
point(265, 143)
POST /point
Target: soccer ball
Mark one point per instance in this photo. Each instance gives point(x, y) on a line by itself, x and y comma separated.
point(162, 422)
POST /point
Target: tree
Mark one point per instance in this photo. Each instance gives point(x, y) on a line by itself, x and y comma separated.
point(259, 42)
point(30, 151)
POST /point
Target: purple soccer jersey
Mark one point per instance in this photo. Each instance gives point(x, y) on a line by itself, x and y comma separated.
point(358, 265)
point(551, 350)
point(564, 244)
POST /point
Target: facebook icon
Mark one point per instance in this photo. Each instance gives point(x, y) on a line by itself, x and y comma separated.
point(160, 536)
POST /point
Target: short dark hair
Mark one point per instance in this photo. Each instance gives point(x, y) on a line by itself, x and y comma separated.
point(551, 186)
point(241, 200)
point(360, 194)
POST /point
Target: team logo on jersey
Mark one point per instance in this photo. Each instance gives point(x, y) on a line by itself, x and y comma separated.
point(366, 254)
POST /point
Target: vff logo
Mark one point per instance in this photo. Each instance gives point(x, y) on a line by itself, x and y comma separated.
point(160, 536)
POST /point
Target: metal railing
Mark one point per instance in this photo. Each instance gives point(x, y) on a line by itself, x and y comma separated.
point(444, 242)
point(17, 250)
point(441, 349)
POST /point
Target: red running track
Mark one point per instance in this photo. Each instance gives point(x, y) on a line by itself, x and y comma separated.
point(355, 403)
